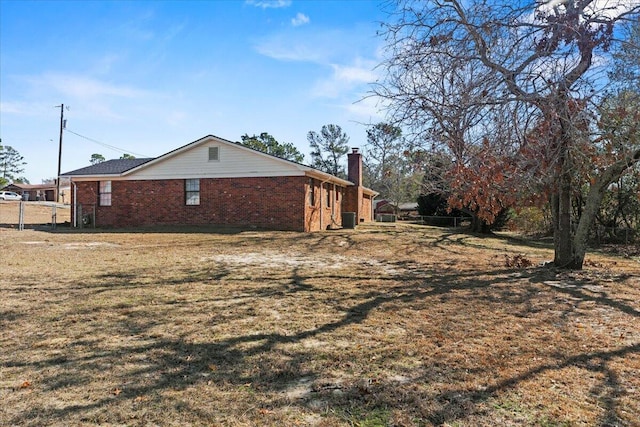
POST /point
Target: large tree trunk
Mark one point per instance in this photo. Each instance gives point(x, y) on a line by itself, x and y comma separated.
point(479, 226)
point(593, 201)
point(562, 233)
point(596, 193)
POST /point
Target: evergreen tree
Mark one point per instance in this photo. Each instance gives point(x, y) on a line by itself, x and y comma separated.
point(11, 163)
point(328, 149)
point(268, 144)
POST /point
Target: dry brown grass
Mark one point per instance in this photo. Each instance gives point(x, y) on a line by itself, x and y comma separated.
point(378, 326)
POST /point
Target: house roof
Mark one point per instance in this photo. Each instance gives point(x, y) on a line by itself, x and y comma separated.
point(124, 167)
point(407, 206)
point(109, 167)
point(410, 206)
point(29, 186)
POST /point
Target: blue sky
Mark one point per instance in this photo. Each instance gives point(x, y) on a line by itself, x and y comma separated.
point(150, 76)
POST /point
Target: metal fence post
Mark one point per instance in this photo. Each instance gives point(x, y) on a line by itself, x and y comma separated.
point(21, 216)
point(54, 216)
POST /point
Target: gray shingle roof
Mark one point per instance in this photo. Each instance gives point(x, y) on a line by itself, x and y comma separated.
point(110, 167)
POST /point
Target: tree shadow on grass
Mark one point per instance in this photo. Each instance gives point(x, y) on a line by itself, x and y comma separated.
point(271, 362)
point(462, 237)
point(593, 362)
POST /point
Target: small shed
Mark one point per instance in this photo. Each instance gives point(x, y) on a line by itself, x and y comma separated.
point(408, 210)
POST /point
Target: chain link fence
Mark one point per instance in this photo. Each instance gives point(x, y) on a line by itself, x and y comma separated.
point(439, 221)
point(34, 215)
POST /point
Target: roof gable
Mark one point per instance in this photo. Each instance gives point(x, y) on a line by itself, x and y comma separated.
point(234, 160)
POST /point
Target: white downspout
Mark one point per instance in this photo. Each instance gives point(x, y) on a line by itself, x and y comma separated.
point(333, 204)
point(373, 209)
point(321, 208)
point(75, 204)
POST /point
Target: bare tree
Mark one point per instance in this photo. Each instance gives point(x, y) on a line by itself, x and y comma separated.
point(540, 55)
point(388, 164)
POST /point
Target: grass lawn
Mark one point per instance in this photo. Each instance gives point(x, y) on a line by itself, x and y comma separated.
point(377, 326)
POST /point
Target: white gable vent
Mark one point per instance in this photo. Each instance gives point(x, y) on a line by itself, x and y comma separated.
point(214, 154)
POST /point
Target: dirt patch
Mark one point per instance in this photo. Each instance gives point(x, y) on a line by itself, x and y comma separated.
point(375, 326)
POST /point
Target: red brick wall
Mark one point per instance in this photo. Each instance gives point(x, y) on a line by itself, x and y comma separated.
point(312, 212)
point(278, 203)
point(320, 216)
point(353, 201)
point(366, 212)
point(356, 201)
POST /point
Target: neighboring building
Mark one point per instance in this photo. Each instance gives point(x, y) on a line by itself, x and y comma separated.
point(408, 210)
point(384, 208)
point(213, 181)
point(33, 192)
point(41, 192)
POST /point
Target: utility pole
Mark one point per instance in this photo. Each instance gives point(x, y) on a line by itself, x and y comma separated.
point(59, 152)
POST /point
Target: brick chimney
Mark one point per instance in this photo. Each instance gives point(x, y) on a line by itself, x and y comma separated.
point(354, 193)
point(354, 166)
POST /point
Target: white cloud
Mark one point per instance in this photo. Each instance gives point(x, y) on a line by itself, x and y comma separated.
point(369, 109)
point(612, 8)
point(82, 87)
point(345, 78)
point(30, 109)
point(300, 19)
point(15, 108)
point(347, 59)
point(323, 46)
point(355, 74)
point(606, 9)
point(284, 47)
point(267, 4)
point(105, 63)
point(176, 118)
point(87, 96)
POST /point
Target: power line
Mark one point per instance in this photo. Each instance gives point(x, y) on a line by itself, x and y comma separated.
point(111, 147)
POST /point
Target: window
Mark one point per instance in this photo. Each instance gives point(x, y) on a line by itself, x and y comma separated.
point(214, 154)
point(105, 193)
point(192, 191)
point(312, 194)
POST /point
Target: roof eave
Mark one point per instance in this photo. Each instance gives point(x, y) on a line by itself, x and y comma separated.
point(93, 177)
point(325, 177)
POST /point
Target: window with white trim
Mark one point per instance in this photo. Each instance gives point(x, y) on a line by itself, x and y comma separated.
point(104, 193)
point(192, 192)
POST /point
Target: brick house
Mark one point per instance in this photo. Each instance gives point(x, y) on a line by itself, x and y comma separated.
point(40, 192)
point(213, 181)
